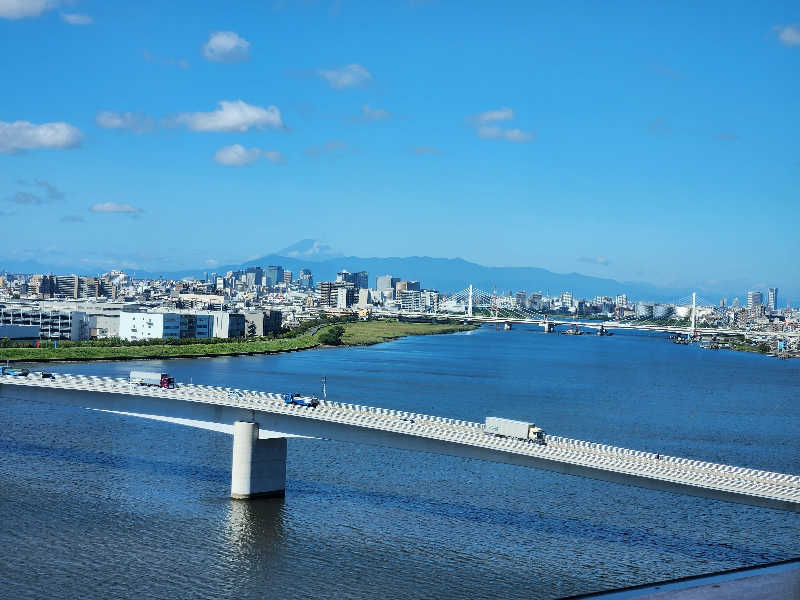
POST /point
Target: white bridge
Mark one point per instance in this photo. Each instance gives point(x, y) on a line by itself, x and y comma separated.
point(260, 423)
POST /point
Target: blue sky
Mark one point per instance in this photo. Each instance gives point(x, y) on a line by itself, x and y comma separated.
point(639, 141)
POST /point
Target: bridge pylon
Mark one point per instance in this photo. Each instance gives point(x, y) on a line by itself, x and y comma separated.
point(259, 465)
point(469, 305)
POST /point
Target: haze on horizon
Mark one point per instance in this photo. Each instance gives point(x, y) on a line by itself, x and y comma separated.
point(635, 142)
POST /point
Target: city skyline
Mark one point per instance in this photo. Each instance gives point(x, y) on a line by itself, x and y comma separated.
point(575, 139)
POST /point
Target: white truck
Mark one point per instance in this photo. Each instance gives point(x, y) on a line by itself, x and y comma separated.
point(514, 429)
point(162, 380)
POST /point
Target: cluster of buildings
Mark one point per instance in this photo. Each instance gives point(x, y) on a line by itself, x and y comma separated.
point(256, 301)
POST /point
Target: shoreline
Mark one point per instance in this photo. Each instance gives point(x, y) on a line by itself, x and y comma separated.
point(110, 353)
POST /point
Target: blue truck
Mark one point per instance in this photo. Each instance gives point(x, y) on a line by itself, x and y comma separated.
point(296, 398)
point(14, 372)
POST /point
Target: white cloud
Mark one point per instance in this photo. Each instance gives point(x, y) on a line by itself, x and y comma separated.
point(22, 135)
point(374, 114)
point(136, 122)
point(238, 156)
point(492, 132)
point(19, 9)
point(788, 35)
point(485, 127)
point(346, 77)
point(501, 114)
point(232, 116)
point(76, 19)
point(226, 47)
point(114, 207)
point(517, 135)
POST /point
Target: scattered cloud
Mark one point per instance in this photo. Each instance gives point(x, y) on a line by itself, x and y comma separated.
point(659, 127)
point(426, 150)
point(72, 219)
point(374, 114)
point(346, 77)
point(136, 122)
point(53, 193)
point(232, 116)
point(28, 199)
point(492, 132)
point(226, 47)
point(595, 260)
point(20, 9)
point(173, 62)
point(490, 116)
point(330, 147)
point(486, 128)
point(239, 156)
point(727, 136)
point(274, 157)
point(211, 262)
point(76, 19)
point(19, 136)
point(114, 207)
point(788, 35)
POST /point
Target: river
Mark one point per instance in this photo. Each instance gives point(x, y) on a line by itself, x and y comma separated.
point(94, 505)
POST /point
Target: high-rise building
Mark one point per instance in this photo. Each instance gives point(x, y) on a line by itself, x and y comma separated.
point(274, 275)
point(772, 299)
point(306, 280)
point(287, 277)
point(361, 279)
point(520, 298)
point(566, 299)
point(754, 299)
point(329, 293)
point(386, 282)
point(622, 300)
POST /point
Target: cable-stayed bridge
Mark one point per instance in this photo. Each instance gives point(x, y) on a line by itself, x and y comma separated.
point(476, 305)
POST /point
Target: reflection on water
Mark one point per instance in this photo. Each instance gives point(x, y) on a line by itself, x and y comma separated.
point(255, 527)
point(94, 505)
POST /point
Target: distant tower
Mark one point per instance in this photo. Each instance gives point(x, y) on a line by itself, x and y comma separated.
point(694, 314)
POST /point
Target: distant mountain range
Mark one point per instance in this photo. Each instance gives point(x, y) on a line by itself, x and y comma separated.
point(444, 274)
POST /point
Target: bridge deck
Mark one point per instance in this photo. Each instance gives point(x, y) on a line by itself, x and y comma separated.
point(738, 484)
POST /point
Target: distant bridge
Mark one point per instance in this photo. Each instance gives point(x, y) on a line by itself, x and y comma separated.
point(464, 304)
point(260, 423)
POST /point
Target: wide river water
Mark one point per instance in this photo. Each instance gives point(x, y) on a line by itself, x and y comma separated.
point(94, 505)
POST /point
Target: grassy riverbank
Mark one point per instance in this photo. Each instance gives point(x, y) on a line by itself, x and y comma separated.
point(355, 334)
point(374, 332)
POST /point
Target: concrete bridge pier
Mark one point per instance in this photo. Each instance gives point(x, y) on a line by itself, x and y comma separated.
point(549, 327)
point(259, 465)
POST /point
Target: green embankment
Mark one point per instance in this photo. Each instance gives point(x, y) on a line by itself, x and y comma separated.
point(355, 334)
point(374, 332)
